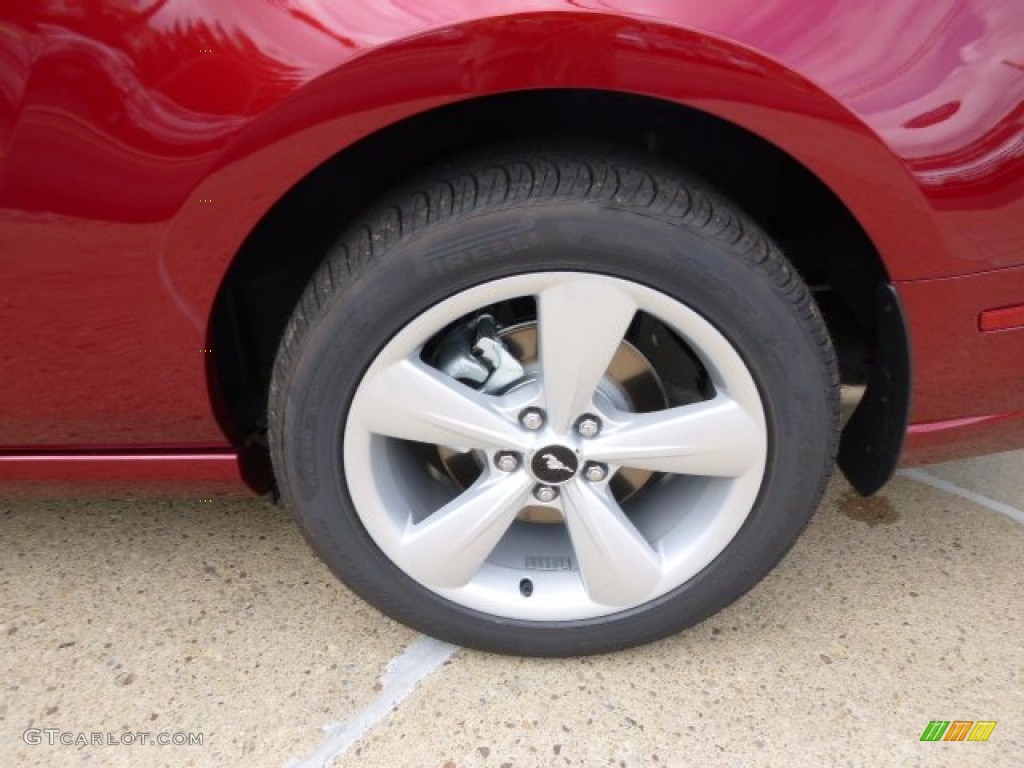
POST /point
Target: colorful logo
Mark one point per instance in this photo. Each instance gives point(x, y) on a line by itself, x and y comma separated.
point(958, 730)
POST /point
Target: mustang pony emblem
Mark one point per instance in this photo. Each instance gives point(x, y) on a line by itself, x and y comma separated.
point(554, 463)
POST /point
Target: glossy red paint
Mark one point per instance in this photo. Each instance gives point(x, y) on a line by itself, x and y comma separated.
point(212, 475)
point(140, 142)
point(951, 349)
point(954, 439)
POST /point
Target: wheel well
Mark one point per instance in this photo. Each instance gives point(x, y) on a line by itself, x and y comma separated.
point(814, 229)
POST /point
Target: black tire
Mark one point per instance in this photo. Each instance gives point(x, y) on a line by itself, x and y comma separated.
point(515, 211)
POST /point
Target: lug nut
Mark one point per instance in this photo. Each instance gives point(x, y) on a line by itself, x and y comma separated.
point(532, 418)
point(588, 426)
point(595, 472)
point(545, 493)
point(507, 461)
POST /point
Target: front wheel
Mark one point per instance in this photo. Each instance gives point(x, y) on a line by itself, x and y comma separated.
point(554, 403)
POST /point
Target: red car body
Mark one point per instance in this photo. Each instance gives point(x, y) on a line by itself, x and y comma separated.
point(141, 143)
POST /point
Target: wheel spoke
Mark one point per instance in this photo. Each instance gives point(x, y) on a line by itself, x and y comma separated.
point(412, 401)
point(617, 564)
point(581, 324)
point(715, 438)
point(448, 548)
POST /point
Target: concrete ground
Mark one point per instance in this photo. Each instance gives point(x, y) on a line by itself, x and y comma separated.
point(178, 617)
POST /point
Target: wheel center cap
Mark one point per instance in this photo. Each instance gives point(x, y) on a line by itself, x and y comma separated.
point(555, 464)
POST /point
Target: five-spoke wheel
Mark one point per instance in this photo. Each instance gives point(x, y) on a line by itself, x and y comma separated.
point(557, 436)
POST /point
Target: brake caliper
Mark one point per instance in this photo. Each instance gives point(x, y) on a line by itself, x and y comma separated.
point(474, 353)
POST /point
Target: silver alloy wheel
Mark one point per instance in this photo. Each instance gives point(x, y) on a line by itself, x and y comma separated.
point(470, 546)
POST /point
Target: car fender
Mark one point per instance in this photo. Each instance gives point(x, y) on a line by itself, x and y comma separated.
point(541, 51)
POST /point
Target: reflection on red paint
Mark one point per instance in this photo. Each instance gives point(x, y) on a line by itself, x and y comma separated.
point(933, 116)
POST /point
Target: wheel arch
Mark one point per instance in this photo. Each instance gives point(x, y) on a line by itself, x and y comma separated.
point(318, 132)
